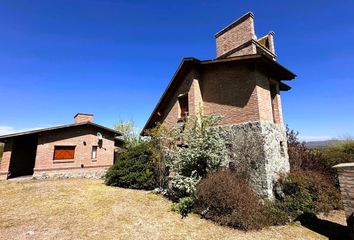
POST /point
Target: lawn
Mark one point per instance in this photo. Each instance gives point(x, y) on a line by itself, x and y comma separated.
point(87, 209)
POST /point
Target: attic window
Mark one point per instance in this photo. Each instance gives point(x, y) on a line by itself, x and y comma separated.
point(183, 105)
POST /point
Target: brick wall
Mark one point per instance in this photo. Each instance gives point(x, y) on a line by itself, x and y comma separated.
point(83, 138)
point(236, 92)
point(230, 91)
point(190, 85)
point(5, 161)
point(346, 181)
point(236, 34)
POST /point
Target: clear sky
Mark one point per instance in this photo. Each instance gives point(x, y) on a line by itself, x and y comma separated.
point(114, 58)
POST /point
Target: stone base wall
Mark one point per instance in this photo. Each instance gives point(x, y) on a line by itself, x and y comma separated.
point(346, 181)
point(259, 152)
point(93, 173)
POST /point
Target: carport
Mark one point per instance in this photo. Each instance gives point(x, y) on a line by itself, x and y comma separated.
point(23, 156)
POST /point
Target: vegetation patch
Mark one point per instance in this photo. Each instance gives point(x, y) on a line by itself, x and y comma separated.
point(133, 169)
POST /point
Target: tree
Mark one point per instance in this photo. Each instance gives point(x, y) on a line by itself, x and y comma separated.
point(130, 134)
point(161, 138)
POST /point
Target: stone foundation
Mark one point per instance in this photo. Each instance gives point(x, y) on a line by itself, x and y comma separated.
point(259, 152)
point(77, 173)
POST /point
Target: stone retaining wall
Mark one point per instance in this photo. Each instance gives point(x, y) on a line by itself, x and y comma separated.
point(258, 150)
point(346, 181)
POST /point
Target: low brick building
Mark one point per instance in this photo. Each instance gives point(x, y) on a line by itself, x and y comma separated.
point(243, 85)
point(81, 149)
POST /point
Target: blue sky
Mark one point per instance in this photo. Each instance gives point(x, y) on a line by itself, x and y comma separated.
point(115, 58)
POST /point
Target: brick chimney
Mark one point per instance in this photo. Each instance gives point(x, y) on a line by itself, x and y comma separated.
point(83, 117)
point(239, 38)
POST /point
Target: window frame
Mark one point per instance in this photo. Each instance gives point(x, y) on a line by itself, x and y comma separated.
point(92, 151)
point(57, 148)
point(183, 98)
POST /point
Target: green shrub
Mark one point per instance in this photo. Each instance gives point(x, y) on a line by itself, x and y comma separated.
point(309, 192)
point(339, 152)
point(228, 200)
point(275, 213)
point(201, 150)
point(133, 169)
point(184, 206)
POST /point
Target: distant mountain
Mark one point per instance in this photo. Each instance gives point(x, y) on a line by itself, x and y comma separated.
point(318, 144)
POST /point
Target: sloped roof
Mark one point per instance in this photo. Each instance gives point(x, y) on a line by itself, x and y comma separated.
point(280, 71)
point(3, 137)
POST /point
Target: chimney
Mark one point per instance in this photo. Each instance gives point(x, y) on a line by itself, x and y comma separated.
point(239, 39)
point(83, 117)
point(236, 36)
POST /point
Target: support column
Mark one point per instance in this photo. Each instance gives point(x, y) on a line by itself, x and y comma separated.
point(5, 162)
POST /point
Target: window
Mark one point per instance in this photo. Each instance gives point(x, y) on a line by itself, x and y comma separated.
point(94, 153)
point(64, 152)
point(282, 150)
point(183, 105)
point(273, 95)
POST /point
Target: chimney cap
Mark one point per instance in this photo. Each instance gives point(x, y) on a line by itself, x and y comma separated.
point(235, 23)
point(86, 114)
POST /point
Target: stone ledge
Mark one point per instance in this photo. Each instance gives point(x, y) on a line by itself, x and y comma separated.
point(64, 175)
point(344, 165)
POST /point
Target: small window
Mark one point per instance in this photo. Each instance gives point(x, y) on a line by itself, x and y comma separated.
point(64, 152)
point(273, 95)
point(183, 105)
point(282, 150)
point(94, 153)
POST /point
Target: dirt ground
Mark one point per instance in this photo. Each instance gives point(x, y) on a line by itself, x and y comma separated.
point(87, 209)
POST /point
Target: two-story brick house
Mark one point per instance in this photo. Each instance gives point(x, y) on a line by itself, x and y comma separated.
point(243, 85)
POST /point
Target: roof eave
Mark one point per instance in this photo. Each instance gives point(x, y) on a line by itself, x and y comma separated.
point(38, 131)
point(180, 67)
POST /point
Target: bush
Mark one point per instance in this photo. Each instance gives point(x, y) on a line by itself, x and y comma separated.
point(339, 152)
point(275, 213)
point(309, 192)
point(303, 159)
point(201, 150)
point(133, 169)
point(228, 200)
point(184, 206)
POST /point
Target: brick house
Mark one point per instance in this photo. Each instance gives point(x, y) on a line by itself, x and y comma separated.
point(243, 85)
point(81, 149)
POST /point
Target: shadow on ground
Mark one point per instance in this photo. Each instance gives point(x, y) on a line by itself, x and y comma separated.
point(333, 231)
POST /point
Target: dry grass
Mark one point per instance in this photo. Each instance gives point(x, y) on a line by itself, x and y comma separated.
point(87, 209)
